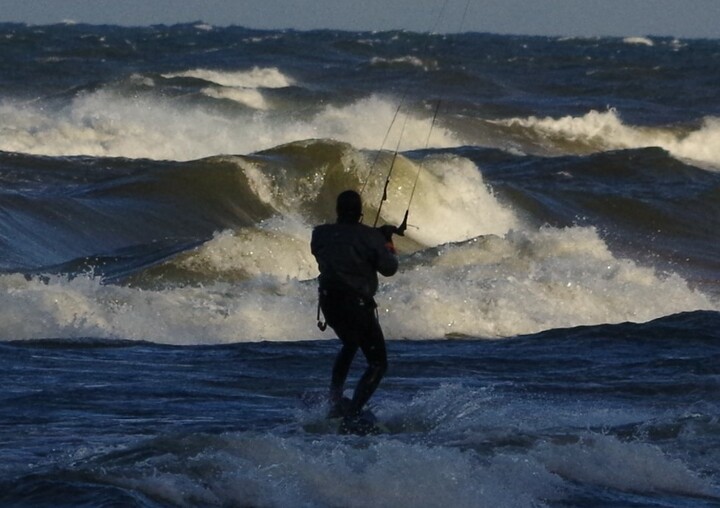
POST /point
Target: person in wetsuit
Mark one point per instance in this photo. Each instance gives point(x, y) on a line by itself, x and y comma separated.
point(349, 256)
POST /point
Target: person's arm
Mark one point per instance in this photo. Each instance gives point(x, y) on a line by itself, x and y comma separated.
point(387, 255)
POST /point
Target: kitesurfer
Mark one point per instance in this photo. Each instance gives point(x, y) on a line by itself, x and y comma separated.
point(349, 256)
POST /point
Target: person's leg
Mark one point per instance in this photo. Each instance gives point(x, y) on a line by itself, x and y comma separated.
point(373, 347)
point(340, 371)
point(340, 311)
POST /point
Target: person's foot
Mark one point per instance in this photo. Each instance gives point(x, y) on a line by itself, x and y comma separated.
point(340, 409)
point(356, 424)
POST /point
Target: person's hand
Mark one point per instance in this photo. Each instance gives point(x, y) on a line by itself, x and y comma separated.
point(388, 231)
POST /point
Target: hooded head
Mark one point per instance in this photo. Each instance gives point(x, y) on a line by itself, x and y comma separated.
point(348, 207)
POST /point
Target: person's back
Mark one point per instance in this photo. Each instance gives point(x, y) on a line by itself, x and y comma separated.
point(349, 255)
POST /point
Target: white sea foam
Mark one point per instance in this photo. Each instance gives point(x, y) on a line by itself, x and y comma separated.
point(258, 281)
point(239, 86)
point(259, 309)
point(406, 60)
point(390, 471)
point(607, 462)
point(451, 201)
point(257, 470)
point(482, 415)
point(490, 287)
point(257, 77)
point(639, 41)
point(271, 251)
point(365, 124)
point(508, 281)
point(526, 282)
point(104, 123)
point(278, 247)
point(597, 131)
point(247, 96)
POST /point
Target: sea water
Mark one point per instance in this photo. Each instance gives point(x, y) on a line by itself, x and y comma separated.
point(552, 331)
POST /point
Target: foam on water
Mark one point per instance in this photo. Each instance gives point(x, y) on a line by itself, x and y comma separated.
point(639, 41)
point(258, 309)
point(499, 278)
point(265, 470)
point(451, 201)
point(409, 60)
point(492, 286)
point(107, 123)
point(365, 123)
point(257, 77)
point(608, 462)
point(452, 445)
point(248, 97)
point(527, 282)
point(598, 131)
point(272, 251)
point(484, 417)
point(452, 204)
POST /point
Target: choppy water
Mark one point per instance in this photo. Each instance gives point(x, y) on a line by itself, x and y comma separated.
point(158, 187)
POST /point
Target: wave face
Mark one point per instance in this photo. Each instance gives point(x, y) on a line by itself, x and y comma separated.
point(161, 183)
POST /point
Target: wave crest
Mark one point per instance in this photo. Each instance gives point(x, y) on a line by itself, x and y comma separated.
point(598, 131)
point(257, 77)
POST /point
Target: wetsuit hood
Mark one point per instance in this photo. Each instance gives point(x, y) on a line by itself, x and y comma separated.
point(348, 207)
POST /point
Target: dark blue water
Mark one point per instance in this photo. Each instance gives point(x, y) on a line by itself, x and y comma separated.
point(553, 329)
point(616, 415)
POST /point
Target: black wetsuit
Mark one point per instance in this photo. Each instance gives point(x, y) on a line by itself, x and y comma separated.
point(349, 256)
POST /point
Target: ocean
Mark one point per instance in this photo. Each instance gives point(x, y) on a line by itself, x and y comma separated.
point(553, 331)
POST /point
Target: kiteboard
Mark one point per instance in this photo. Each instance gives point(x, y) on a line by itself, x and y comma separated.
point(364, 424)
point(338, 421)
